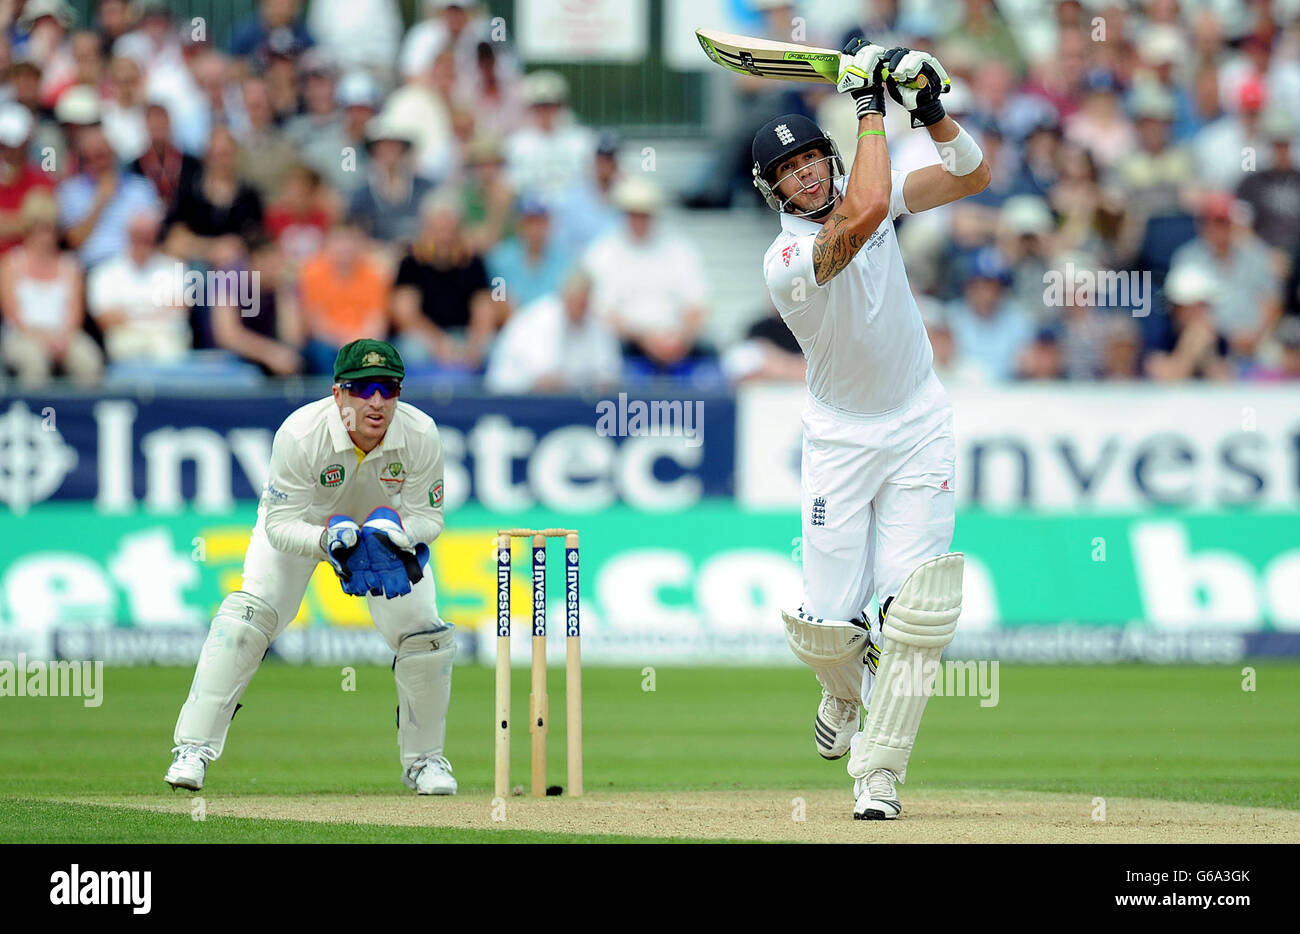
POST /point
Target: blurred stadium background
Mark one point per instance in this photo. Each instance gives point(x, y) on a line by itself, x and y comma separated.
point(546, 204)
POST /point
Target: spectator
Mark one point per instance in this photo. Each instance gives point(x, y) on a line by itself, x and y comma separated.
point(271, 339)
point(1164, 51)
point(455, 25)
point(555, 344)
point(422, 108)
point(112, 22)
point(1288, 364)
point(952, 369)
point(441, 303)
point(77, 108)
point(550, 152)
point(42, 303)
point(265, 153)
point(495, 90)
point(216, 217)
point(344, 297)
point(586, 212)
point(989, 329)
point(25, 79)
point(1155, 175)
point(769, 352)
point(18, 177)
point(387, 207)
point(1194, 348)
point(1274, 193)
point(1041, 359)
point(532, 263)
point(1122, 354)
point(358, 33)
point(96, 205)
point(1219, 146)
point(1027, 241)
point(649, 287)
point(1040, 165)
point(123, 113)
point(252, 36)
point(299, 221)
point(171, 170)
point(1080, 334)
point(1101, 126)
point(320, 126)
point(340, 154)
point(1245, 303)
point(47, 23)
point(486, 195)
point(123, 295)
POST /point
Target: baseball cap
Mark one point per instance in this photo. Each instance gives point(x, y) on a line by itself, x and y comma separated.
point(35, 9)
point(1188, 285)
point(532, 206)
point(637, 195)
point(1153, 102)
point(1027, 214)
point(368, 357)
point(15, 124)
point(78, 105)
point(358, 89)
point(989, 264)
point(545, 87)
point(607, 143)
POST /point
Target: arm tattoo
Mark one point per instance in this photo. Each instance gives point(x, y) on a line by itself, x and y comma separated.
point(834, 248)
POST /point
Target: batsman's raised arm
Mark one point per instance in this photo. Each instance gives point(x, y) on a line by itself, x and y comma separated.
point(866, 197)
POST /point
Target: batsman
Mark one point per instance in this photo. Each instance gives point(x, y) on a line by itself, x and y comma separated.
point(355, 480)
point(877, 467)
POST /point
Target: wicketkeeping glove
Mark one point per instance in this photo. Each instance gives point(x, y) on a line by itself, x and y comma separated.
point(394, 560)
point(340, 541)
point(916, 79)
point(862, 74)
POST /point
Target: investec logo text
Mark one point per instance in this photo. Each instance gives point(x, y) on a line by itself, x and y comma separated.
point(539, 591)
point(78, 887)
point(571, 592)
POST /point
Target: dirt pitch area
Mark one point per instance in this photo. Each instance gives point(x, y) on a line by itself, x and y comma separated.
point(810, 817)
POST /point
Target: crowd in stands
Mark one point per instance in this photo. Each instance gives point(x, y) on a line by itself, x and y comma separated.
point(348, 178)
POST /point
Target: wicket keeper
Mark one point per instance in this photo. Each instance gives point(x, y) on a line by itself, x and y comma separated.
point(355, 480)
point(878, 449)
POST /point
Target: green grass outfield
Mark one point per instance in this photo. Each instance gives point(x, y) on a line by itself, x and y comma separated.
point(1178, 733)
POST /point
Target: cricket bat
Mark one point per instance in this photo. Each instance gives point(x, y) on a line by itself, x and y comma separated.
point(771, 58)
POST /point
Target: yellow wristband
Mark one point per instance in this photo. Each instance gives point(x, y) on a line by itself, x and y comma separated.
point(871, 133)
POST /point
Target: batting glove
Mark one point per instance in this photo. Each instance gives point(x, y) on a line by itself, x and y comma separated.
point(339, 541)
point(393, 558)
point(862, 75)
point(916, 79)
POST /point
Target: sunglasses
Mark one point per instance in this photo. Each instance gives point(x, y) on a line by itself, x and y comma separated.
point(364, 389)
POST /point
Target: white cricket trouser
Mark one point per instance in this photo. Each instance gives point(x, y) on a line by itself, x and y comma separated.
point(877, 500)
point(281, 580)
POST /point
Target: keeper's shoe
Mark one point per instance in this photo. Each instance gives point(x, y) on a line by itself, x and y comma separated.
point(430, 776)
point(875, 797)
point(836, 722)
point(189, 767)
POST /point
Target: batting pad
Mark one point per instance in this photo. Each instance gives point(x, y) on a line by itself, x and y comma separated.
point(921, 620)
point(241, 633)
point(422, 670)
point(833, 648)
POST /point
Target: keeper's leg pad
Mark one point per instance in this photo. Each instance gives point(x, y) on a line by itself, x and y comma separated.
point(237, 641)
point(422, 670)
point(920, 621)
point(835, 649)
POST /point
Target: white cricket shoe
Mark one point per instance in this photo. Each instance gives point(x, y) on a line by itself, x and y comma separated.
point(875, 797)
point(837, 720)
point(189, 766)
point(430, 776)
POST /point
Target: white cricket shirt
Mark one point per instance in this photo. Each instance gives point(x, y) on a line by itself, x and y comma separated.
point(315, 474)
point(862, 333)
